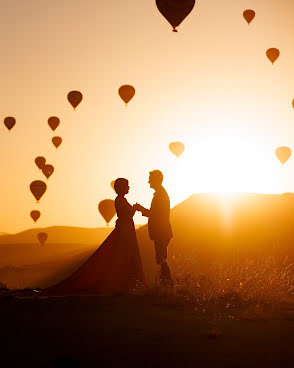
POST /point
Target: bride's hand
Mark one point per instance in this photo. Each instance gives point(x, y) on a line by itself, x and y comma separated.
point(137, 207)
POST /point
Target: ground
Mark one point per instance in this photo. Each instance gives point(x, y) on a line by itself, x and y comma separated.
point(136, 331)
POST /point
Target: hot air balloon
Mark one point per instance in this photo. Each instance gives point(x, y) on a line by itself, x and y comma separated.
point(107, 209)
point(293, 103)
point(53, 122)
point(48, 170)
point(42, 237)
point(249, 15)
point(35, 215)
point(175, 11)
point(177, 148)
point(57, 141)
point(38, 188)
point(112, 184)
point(9, 122)
point(74, 98)
point(126, 93)
point(40, 162)
point(283, 154)
point(272, 54)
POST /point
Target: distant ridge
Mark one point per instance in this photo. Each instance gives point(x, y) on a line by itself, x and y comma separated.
point(59, 234)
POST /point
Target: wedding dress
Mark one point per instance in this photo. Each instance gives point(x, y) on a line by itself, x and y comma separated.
point(116, 266)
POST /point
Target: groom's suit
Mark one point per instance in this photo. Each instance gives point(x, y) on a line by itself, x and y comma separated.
point(160, 230)
point(159, 226)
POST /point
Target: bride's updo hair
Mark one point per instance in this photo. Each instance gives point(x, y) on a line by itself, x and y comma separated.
point(120, 185)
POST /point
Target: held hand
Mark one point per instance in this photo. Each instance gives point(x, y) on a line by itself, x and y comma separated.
point(137, 207)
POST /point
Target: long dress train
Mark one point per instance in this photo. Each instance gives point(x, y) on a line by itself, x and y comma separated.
point(116, 266)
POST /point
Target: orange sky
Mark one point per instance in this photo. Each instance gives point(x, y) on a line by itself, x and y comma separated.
point(210, 86)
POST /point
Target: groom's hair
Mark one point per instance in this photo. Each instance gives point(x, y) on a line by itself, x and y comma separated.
point(157, 174)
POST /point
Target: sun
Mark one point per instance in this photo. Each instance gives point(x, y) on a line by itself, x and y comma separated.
point(225, 163)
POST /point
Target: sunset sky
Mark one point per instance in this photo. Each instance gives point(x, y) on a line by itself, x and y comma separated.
point(209, 86)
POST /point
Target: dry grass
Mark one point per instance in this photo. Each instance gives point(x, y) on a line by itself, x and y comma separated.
point(246, 287)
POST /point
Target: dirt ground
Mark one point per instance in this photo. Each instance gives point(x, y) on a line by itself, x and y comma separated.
point(136, 331)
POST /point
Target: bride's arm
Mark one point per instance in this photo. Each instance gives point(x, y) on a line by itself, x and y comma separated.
point(123, 208)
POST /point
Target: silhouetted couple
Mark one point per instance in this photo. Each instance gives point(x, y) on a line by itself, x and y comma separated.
point(116, 266)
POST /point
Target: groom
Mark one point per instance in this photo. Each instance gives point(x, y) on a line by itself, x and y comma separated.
point(159, 226)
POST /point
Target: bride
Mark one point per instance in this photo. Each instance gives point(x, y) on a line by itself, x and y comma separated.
point(116, 266)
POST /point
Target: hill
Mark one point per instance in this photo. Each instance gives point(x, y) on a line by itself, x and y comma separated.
point(208, 229)
point(213, 228)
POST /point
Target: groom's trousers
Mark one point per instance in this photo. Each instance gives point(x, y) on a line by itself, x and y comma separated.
point(161, 260)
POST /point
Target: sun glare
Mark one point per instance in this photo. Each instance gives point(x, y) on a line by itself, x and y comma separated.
point(226, 163)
